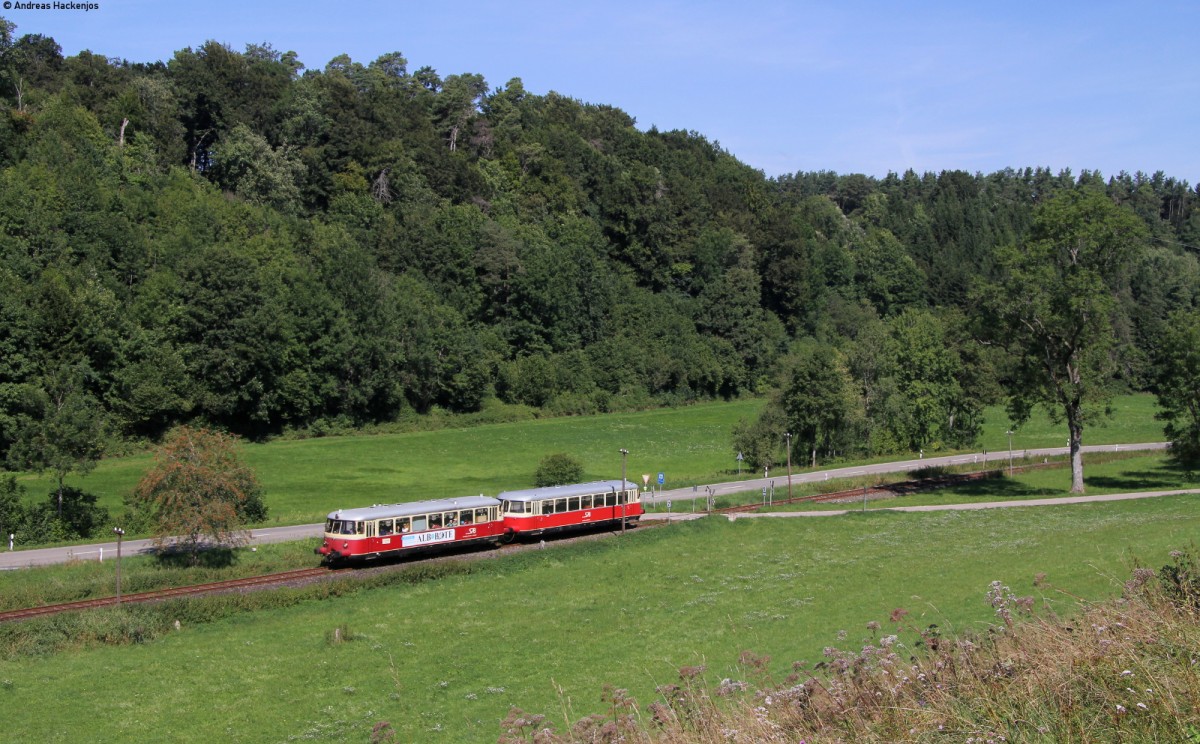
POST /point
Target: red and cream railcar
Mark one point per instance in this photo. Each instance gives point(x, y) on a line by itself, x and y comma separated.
point(536, 511)
point(373, 531)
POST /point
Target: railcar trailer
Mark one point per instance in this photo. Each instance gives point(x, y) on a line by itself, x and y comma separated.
point(538, 511)
point(391, 529)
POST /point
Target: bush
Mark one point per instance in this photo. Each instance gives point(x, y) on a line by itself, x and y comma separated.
point(80, 518)
point(558, 469)
point(12, 513)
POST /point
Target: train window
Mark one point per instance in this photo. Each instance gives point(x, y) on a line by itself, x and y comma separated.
point(610, 499)
point(435, 521)
point(573, 503)
point(481, 515)
point(385, 527)
point(402, 525)
point(585, 502)
point(560, 505)
point(420, 524)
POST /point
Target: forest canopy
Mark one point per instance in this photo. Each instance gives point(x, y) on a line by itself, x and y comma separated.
point(229, 239)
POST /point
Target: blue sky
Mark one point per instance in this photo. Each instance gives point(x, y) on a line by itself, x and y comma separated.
point(854, 87)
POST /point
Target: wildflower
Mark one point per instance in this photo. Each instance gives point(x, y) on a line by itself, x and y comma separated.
point(1126, 673)
point(1120, 708)
point(872, 625)
point(1141, 576)
point(1143, 706)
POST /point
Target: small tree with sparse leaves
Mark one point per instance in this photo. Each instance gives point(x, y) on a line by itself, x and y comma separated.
point(199, 493)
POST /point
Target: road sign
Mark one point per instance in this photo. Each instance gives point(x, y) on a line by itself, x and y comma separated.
point(661, 478)
point(645, 479)
point(739, 457)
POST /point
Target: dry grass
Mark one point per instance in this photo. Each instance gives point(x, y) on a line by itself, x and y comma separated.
point(1118, 671)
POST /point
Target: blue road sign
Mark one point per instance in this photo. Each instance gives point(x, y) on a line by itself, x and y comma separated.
point(661, 478)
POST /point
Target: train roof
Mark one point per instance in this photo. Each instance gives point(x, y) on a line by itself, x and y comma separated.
point(575, 489)
point(380, 511)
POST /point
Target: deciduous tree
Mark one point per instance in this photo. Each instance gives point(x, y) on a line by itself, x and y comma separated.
point(818, 402)
point(1054, 306)
point(199, 493)
point(65, 429)
point(1179, 384)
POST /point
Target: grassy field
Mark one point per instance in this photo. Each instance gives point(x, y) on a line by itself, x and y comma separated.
point(305, 479)
point(1131, 420)
point(1107, 473)
point(546, 630)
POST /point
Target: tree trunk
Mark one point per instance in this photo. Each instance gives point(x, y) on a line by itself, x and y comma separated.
point(1076, 443)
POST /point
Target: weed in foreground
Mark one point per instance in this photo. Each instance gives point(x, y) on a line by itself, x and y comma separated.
point(1122, 670)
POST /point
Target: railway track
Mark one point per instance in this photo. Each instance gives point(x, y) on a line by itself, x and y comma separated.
point(267, 580)
point(161, 594)
point(285, 577)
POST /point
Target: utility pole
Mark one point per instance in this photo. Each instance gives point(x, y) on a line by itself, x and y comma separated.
point(624, 491)
point(119, 533)
point(789, 455)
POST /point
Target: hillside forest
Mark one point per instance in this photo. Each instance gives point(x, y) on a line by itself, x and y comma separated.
point(231, 239)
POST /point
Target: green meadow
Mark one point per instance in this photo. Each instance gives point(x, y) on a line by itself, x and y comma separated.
point(306, 478)
point(444, 660)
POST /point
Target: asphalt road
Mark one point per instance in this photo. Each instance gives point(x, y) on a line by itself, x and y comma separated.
point(778, 481)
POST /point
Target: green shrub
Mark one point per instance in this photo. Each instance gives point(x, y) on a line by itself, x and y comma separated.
point(558, 469)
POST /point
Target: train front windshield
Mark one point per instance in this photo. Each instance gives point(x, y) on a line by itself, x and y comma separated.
point(342, 527)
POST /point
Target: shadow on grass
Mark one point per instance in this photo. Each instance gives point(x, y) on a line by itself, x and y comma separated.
point(207, 558)
point(1142, 481)
point(999, 488)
